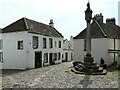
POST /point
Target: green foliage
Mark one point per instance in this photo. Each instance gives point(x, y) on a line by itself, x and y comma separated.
point(95, 66)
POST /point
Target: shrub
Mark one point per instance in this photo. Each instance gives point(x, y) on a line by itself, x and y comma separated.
point(102, 61)
point(95, 66)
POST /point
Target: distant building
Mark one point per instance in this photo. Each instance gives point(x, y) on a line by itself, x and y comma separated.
point(31, 44)
point(68, 50)
point(1, 49)
point(105, 41)
point(119, 13)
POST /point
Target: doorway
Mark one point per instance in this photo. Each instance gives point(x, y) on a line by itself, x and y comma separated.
point(51, 58)
point(66, 56)
point(38, 59)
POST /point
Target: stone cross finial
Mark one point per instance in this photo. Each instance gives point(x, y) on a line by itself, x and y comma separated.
point(88, 6)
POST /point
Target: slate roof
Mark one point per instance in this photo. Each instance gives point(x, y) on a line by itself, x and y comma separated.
point(101, 30)
point(31, 26)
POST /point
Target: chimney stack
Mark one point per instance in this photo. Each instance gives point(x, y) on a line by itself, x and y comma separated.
point(110, 21)
point(51, 24)
point(98, 17)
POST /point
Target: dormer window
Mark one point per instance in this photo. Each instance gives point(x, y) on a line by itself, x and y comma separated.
point(35, 42)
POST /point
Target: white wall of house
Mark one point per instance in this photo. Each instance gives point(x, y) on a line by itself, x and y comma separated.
point(72, 42)
point(12, 57)
point(99, 49)
point(22, 59)
point(68, 50)
point(79, 49)
point(48, 50)
point(70, 55)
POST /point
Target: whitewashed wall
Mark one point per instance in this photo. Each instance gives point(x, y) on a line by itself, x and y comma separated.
point(72, 42)
point(79, 49)
point(40, 48)
point(68, 48)
point(99, 50)
point(70, 53)
point(22, 59)
point(13, 58)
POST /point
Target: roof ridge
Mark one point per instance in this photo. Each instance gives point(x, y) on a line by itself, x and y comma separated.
point(25, 23)
point(100, 28)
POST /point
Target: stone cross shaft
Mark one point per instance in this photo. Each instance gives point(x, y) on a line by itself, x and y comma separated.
point(88, 39)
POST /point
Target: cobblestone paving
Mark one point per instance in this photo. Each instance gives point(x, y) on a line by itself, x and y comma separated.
point(57, 76)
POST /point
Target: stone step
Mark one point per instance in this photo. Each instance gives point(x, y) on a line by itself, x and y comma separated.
point(100, 69)
point(104, 72)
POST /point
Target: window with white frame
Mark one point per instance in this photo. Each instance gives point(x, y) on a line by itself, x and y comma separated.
point(50, 43)
point(45, 57)
point(1, 44)
point(44, 43)
point(1, 57)
point(35, 42)
point(20, 45)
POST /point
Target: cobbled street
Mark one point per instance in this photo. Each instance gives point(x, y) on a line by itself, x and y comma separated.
point(57, 76)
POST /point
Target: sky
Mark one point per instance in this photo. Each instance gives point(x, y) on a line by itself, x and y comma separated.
point(68, 15)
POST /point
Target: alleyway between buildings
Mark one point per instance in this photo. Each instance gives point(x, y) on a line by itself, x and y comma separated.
point(57, 76)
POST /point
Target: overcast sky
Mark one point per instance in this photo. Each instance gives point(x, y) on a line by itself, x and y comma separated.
point(68, 15)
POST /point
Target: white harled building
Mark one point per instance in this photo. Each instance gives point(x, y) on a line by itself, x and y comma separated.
point(68, 50)
point(31, 44)
point(105, 41)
